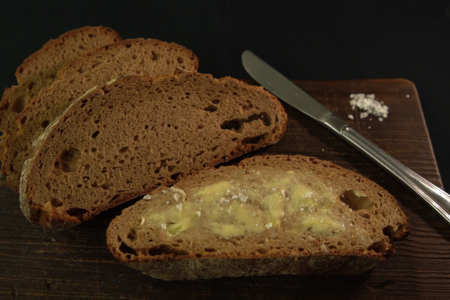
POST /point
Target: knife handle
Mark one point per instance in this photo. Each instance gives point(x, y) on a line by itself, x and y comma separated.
point(438, 199)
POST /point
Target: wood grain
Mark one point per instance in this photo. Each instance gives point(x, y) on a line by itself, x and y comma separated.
point(76, 264)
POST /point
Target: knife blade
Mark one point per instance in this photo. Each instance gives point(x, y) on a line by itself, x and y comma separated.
point(290, 93)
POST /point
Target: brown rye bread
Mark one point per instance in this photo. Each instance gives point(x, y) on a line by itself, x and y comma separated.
point(138, 133)
point(40, 69)
point(200, 253)
point(96, 68)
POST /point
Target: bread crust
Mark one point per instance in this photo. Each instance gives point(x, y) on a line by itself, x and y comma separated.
point(187, 262)
point(39, 209)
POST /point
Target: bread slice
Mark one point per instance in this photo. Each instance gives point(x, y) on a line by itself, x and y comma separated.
point(97, 68)
point(40, 69)
point(138, 133)
point(268, 215)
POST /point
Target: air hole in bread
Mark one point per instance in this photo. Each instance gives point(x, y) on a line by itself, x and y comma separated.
point(236, 124)
point(23, 120)
point(231, 125)
point(114, 198)
point(136, 138)
point(356, 200)
point(68, 161)
point(210, 108)
point(132, 235)
point(198, 255)
point(76, 212)
point(45, 124)
point(389, 231)
point(379, 247)
point(210, 250)
point(262, 251)
point(216, 101)
point(213, 148)
point(175, 245)
point(254, 140)
point(367, 216)
point(18, 104)
point(134, 56)
point(123, 150)
point(83, 103)
point(127, 250)
point(180, 60)
point(154, 55)
point(95, 134)
point(106, 185)
point(165, 249)
point(56, 202)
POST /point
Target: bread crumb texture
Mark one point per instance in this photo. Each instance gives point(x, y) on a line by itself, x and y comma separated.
point(138, 133)
point(269, 215)
point(96, 68)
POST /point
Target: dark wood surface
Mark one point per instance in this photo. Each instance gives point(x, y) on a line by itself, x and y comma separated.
point(76, 264)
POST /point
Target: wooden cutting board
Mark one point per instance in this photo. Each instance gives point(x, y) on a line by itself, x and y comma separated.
point(77, 264)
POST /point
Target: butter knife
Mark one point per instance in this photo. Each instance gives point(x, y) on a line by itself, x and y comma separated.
point(290, 93)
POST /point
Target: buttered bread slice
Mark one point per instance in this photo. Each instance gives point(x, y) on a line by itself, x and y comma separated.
point(138, 133)
point(269, 215)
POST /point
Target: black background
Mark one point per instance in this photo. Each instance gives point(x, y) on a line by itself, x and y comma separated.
point(308, 40)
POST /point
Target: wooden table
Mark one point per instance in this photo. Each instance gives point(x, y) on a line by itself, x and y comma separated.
point(76, 264)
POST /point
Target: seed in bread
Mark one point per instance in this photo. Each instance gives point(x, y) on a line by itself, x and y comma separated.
point(138, 133)
point(137, 56)
point(269, 215)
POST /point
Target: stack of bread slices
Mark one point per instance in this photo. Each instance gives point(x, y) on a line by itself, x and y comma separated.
point(96, 121)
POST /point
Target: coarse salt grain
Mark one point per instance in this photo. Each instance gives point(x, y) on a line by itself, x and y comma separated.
point(147, 197)
point(269, 225)
point(351, 117)
point(223, 200)
point(163, 225)
point(242, 197)
point(369, 105)
point(180, 206)
point(176, 197)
